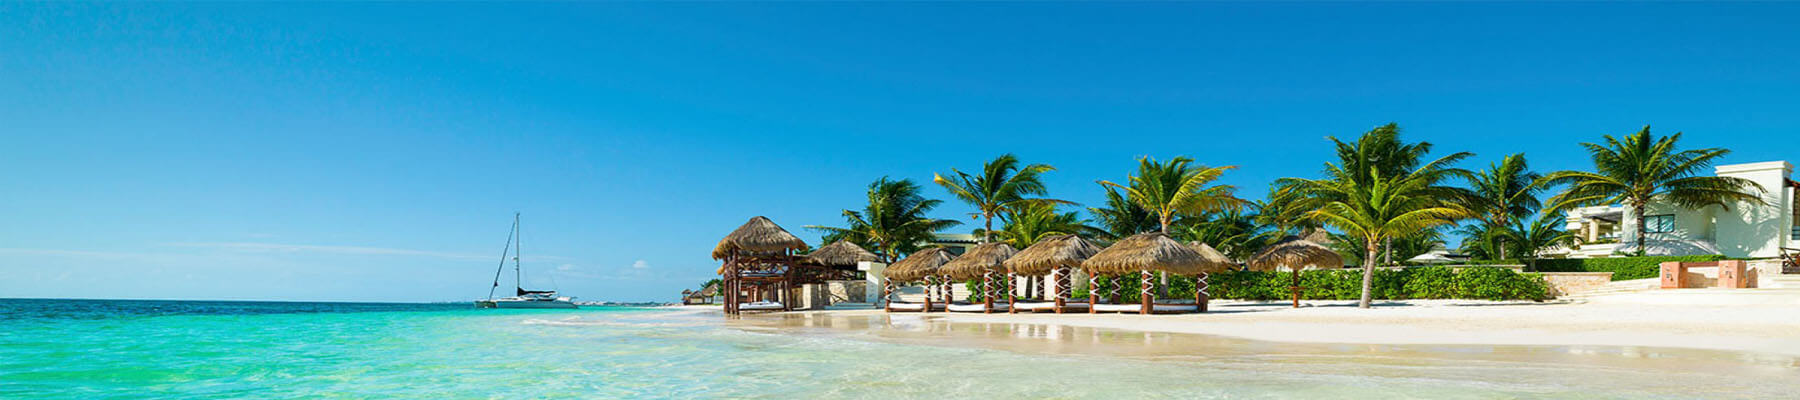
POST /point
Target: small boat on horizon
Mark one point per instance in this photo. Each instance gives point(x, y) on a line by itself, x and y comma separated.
point(521, 298)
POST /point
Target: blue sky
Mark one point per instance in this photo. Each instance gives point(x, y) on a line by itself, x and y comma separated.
point(377, 151)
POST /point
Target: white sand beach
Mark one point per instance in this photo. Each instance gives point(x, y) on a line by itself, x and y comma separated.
point(1755, 322)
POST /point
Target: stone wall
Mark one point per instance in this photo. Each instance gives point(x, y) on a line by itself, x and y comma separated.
point(1568, 283)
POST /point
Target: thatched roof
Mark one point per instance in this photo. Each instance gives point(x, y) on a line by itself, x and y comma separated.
point(840, 254)
point(759, 235)
point(1146, 252)
point(919, 265)
point(983, 258)
point(1215, 261)
point(1295, 253)
point(1050, 253)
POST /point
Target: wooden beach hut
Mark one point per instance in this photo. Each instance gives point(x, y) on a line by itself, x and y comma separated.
point(1141, 255)
point(923, 267)
point(759, 265)
point(987, 262)
point(1057, 256)
point(1296, 254)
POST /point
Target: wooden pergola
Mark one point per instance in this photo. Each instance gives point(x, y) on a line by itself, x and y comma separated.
point(986, 262)
point(920, 266)
point(1141, 255)
point(759, 263)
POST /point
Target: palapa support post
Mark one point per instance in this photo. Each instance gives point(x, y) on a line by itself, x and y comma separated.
point(1093, 293)
point(1145, 295)
point(949, 292)
point(1012, 302)
point(987, 292)
point(1200, 295)
point(1296, 288)
point(1062, 287)
point(929, 286)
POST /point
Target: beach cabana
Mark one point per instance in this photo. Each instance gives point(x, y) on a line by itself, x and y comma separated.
point(1057, 256)
point(1141, 255)
point(1216, 262)
point(1296, 254)
point(835, 261)
point(922, 266)
point(758, 265)
point(986, 262)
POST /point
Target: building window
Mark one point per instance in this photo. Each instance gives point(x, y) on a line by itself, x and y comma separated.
point(1659, 223)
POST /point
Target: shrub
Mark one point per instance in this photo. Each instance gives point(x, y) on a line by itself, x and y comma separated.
point(1623, 268)
point(1415, 283)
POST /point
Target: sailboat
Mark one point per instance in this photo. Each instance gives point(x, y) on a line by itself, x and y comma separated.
point(521, 298)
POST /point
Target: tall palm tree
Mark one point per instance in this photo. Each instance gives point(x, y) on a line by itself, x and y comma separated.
point(1382, 209)
point(1377, 155)
point(1233, 232)
point(1505, 191)
point(1002, 186)
point(1177, 188)
point(1640, 168)
point(893, 223)
point(1381, 189)
point(1121, 217)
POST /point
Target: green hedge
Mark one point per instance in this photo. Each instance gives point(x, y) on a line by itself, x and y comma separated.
point(1623, 268)
point(1413, 283)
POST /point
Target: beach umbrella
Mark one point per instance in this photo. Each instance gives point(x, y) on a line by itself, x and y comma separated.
point(1431, 258)
point(1296, 254)
point(1143, 253)
point(982, 262)
point(1057, 256)
point(840, 254)
point(921, 265)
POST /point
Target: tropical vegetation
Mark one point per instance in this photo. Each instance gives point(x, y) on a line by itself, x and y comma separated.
point(1640, 168)
point(893, 223)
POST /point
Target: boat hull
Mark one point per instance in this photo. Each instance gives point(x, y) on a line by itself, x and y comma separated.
point(524, 304)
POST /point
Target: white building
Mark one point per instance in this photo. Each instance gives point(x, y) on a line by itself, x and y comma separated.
point(1745, 229)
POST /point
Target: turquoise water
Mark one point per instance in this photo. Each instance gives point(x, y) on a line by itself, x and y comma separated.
point(67, 349)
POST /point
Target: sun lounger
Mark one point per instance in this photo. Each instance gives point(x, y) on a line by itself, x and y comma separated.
point(977, 307)
point(760, 306)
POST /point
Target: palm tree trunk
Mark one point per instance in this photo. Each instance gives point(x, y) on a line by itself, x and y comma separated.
point(1162, 288)
point(1368, 282)
point(1641, 246)
point(987, 234)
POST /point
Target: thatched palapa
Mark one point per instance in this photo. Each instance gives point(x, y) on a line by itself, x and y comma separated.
point(920, 264)
point(1146, 252)
point(840, 254)
point(1295, 253)
point(1216, 262)
point(984, 258)
point(759, 235)
point(1050, 253)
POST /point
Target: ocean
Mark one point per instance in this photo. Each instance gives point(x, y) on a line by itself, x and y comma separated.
point(130, 349)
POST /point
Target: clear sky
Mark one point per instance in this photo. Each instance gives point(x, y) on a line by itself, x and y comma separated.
point(377, 151)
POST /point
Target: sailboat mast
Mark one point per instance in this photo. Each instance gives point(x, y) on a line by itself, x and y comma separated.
point(519, 243)
point(503, 252)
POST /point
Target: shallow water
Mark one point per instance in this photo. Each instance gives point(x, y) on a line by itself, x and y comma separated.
point(110, 349)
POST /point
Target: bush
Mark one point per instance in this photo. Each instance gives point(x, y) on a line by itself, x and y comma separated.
point(1623, 268)
point(1415, 283)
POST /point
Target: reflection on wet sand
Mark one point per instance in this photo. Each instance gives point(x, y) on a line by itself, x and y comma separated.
point(1649, 368)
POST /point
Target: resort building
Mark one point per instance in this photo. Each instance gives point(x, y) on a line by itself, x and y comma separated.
point(1743, 230)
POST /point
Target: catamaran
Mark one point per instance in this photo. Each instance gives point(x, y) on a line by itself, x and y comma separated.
point(521, 298)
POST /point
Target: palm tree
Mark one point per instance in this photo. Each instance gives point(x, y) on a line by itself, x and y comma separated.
point(1177, 188)
point(1380, 189)
point(1034, 222)
point(1121, 217)
point(1232, 232)
point(1505, 191)
point(1383, 209)
point(893, 223)
point(1543, 233)
point(1641, 168)
point(1001, 187)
